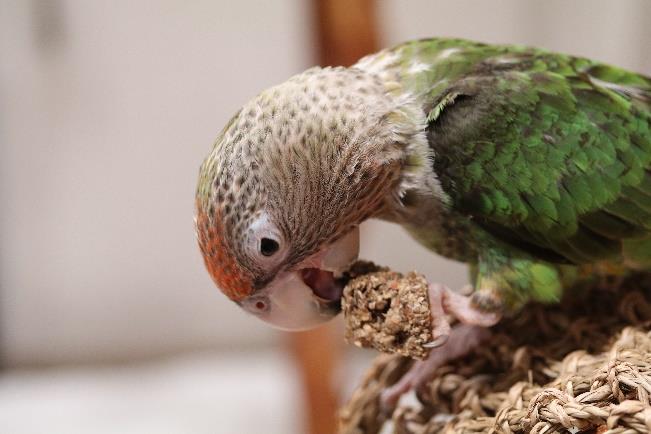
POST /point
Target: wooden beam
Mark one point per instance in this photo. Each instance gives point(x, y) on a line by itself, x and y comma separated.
point(346, 30)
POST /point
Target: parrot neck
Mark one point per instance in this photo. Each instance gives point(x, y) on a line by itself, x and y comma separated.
point(416, 207)
point(417, 197)
point(417, 192)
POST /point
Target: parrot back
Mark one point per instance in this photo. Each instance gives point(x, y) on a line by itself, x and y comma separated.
point(545, 152)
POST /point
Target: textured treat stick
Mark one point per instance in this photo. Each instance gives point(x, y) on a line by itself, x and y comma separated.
point(387, 311)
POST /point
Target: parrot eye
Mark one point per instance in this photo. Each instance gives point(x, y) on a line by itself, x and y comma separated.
point(268, 246)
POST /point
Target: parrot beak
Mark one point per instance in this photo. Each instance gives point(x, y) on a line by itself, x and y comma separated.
point(311, 293)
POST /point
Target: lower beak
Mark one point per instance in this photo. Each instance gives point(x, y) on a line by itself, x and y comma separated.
point(311, 295)
point(293, 305)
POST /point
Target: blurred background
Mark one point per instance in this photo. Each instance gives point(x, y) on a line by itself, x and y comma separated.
point(108, 321)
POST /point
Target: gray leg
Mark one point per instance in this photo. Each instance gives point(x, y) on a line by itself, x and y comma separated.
point(463, 339)
point(447, 344)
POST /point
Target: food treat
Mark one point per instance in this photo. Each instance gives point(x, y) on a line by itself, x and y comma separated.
point(387, 311)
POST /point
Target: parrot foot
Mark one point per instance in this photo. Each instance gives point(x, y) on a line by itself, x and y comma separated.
point(465, 308)
point(444, 301)
point(463, 338)
point(448, 342)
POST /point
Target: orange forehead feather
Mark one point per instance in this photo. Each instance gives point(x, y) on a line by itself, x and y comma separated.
point(227, 274)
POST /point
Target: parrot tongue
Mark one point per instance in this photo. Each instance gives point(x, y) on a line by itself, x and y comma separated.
point(323, 283)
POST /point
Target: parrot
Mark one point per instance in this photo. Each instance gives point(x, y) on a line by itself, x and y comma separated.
point(533, 167)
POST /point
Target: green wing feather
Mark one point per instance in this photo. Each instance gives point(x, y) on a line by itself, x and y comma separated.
point(545, 151)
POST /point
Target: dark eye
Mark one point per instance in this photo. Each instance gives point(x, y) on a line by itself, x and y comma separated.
point(268, 246)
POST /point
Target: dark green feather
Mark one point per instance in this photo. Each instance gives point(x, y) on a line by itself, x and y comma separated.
point(554, 149)
point(545, 156)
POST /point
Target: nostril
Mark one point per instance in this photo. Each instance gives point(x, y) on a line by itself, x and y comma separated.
point(258, 305)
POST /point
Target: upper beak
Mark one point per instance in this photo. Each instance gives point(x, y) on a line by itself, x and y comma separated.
point(310, 295)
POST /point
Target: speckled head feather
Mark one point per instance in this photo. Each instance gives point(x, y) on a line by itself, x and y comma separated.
point(319, 154)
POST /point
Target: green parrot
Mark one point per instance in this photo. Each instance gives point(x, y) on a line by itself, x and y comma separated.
point(533, 167)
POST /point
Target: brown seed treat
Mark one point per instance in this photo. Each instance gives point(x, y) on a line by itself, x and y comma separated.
point(387, 311)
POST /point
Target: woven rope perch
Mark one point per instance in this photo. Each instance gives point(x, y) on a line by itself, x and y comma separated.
point(581, 366)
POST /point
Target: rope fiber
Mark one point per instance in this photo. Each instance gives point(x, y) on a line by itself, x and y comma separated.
point(581, 366)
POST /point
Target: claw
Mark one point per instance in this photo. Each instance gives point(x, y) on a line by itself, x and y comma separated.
point(437, 342)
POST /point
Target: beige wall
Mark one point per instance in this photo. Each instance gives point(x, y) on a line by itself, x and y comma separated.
point(612, 31)
point(102, 130)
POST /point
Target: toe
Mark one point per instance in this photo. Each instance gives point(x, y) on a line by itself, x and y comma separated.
point(390, 396)
point(440, 324)
point(466, 310)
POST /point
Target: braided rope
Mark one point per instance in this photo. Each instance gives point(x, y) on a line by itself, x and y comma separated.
point(582, 366)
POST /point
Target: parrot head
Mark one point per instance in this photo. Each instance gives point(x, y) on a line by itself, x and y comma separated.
point(287, 183)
